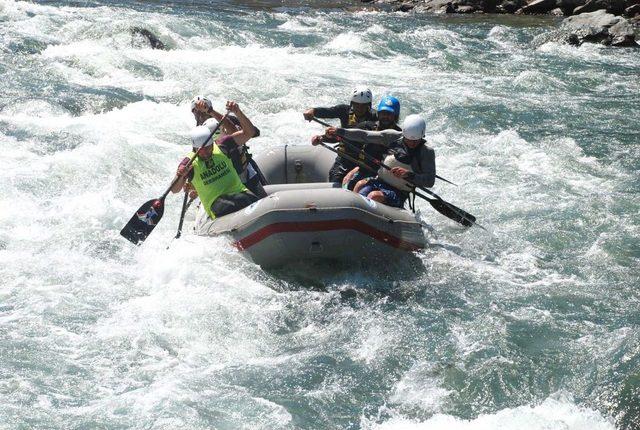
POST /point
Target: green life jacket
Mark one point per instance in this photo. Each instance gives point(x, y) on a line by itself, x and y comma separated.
point(215, 177)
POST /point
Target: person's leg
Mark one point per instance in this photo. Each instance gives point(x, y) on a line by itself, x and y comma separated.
point(256, 187)
point(391, 196)
point(229, 203)
point(377, 196)
point(360, 185)
point(337, 172)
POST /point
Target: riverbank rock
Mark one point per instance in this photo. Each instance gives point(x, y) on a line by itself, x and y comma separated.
point(599, 27)
point(630, 8)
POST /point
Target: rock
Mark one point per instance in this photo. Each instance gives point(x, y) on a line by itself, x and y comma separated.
point(510, 6)
point(623, 34)
point(151, 38)
point(568, 6)
point(405, 7)
point(537, 7)
point(615, 7)
point(633, 10)
point(599, 27)
point(465, 9)
point(556, 12)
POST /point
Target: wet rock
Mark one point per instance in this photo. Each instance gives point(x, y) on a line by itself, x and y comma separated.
point(632, 10)
point(405, 7)
point(615, 7)
point(537, 7)
point(510, 6)
point(599, 27)
point(149, 37)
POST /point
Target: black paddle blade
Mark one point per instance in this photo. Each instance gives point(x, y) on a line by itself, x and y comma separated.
point(143, 221)
point(452, 212)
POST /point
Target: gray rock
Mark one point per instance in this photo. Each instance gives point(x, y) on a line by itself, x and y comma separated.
point(510, 6)
point(405, 7)
point(538, 7)
point(632, 10)
point(148, 37)
point(599, 27)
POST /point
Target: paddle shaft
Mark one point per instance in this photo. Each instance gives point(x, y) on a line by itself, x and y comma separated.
point(147, 217)
point(452, 212)
point(374, 160)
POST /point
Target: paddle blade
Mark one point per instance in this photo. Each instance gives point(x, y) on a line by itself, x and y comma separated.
point(143, 221)
point(452, 212)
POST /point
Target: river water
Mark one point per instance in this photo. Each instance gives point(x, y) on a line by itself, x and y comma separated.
point(533, 324)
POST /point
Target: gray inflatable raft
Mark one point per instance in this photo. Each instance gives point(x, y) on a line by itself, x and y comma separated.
point(304, 217)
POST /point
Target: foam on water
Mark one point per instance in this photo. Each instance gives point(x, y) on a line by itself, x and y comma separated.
point(557, 411)
point(529, 326)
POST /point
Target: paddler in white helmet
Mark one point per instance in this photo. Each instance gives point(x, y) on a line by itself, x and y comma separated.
point(213, 173)
point(409, 157)
point(249, 172)
point(351, 115)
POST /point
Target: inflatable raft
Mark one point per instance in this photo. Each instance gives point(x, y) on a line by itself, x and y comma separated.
point(304, 217)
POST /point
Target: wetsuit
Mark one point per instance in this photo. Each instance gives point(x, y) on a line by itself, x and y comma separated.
point(421, 160)
point(347, 119)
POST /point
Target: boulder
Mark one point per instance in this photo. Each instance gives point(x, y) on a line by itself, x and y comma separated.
point(405, 7)
point(599, 27)
point(148, 37)
point(510, 6)
point(632, 10)
point(538, 7)
point(615, 7)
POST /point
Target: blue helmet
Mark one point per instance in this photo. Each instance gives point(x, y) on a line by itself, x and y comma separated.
point(390, 104)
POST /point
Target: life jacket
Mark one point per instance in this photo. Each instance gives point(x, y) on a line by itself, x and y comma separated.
point(353, 122)
point(214, 177)
point(239, 155)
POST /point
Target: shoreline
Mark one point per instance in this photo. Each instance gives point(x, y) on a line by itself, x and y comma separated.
point(607, 22)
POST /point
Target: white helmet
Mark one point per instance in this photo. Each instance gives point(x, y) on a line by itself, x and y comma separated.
point(413, 127)
point(196, 99)
point(200, 137)
point(211, 124)
point(361, 95)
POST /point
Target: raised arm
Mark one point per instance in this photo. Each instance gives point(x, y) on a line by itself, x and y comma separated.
point(248, 130)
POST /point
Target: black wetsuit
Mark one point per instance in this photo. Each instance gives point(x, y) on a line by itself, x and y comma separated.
point(347, 119)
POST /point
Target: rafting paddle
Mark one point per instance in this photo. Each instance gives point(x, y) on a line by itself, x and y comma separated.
point(149, 215)
point(367, 156)
point(447, 209)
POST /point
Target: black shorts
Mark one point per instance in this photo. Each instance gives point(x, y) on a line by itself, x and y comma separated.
point(229, 203)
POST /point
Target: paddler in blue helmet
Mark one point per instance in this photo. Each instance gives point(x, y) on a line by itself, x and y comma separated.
point(388, 111)
point(212, 173)
point(409, 159)
point(358, 111)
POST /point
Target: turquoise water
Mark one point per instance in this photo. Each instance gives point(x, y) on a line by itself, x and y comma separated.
point(532, 325)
